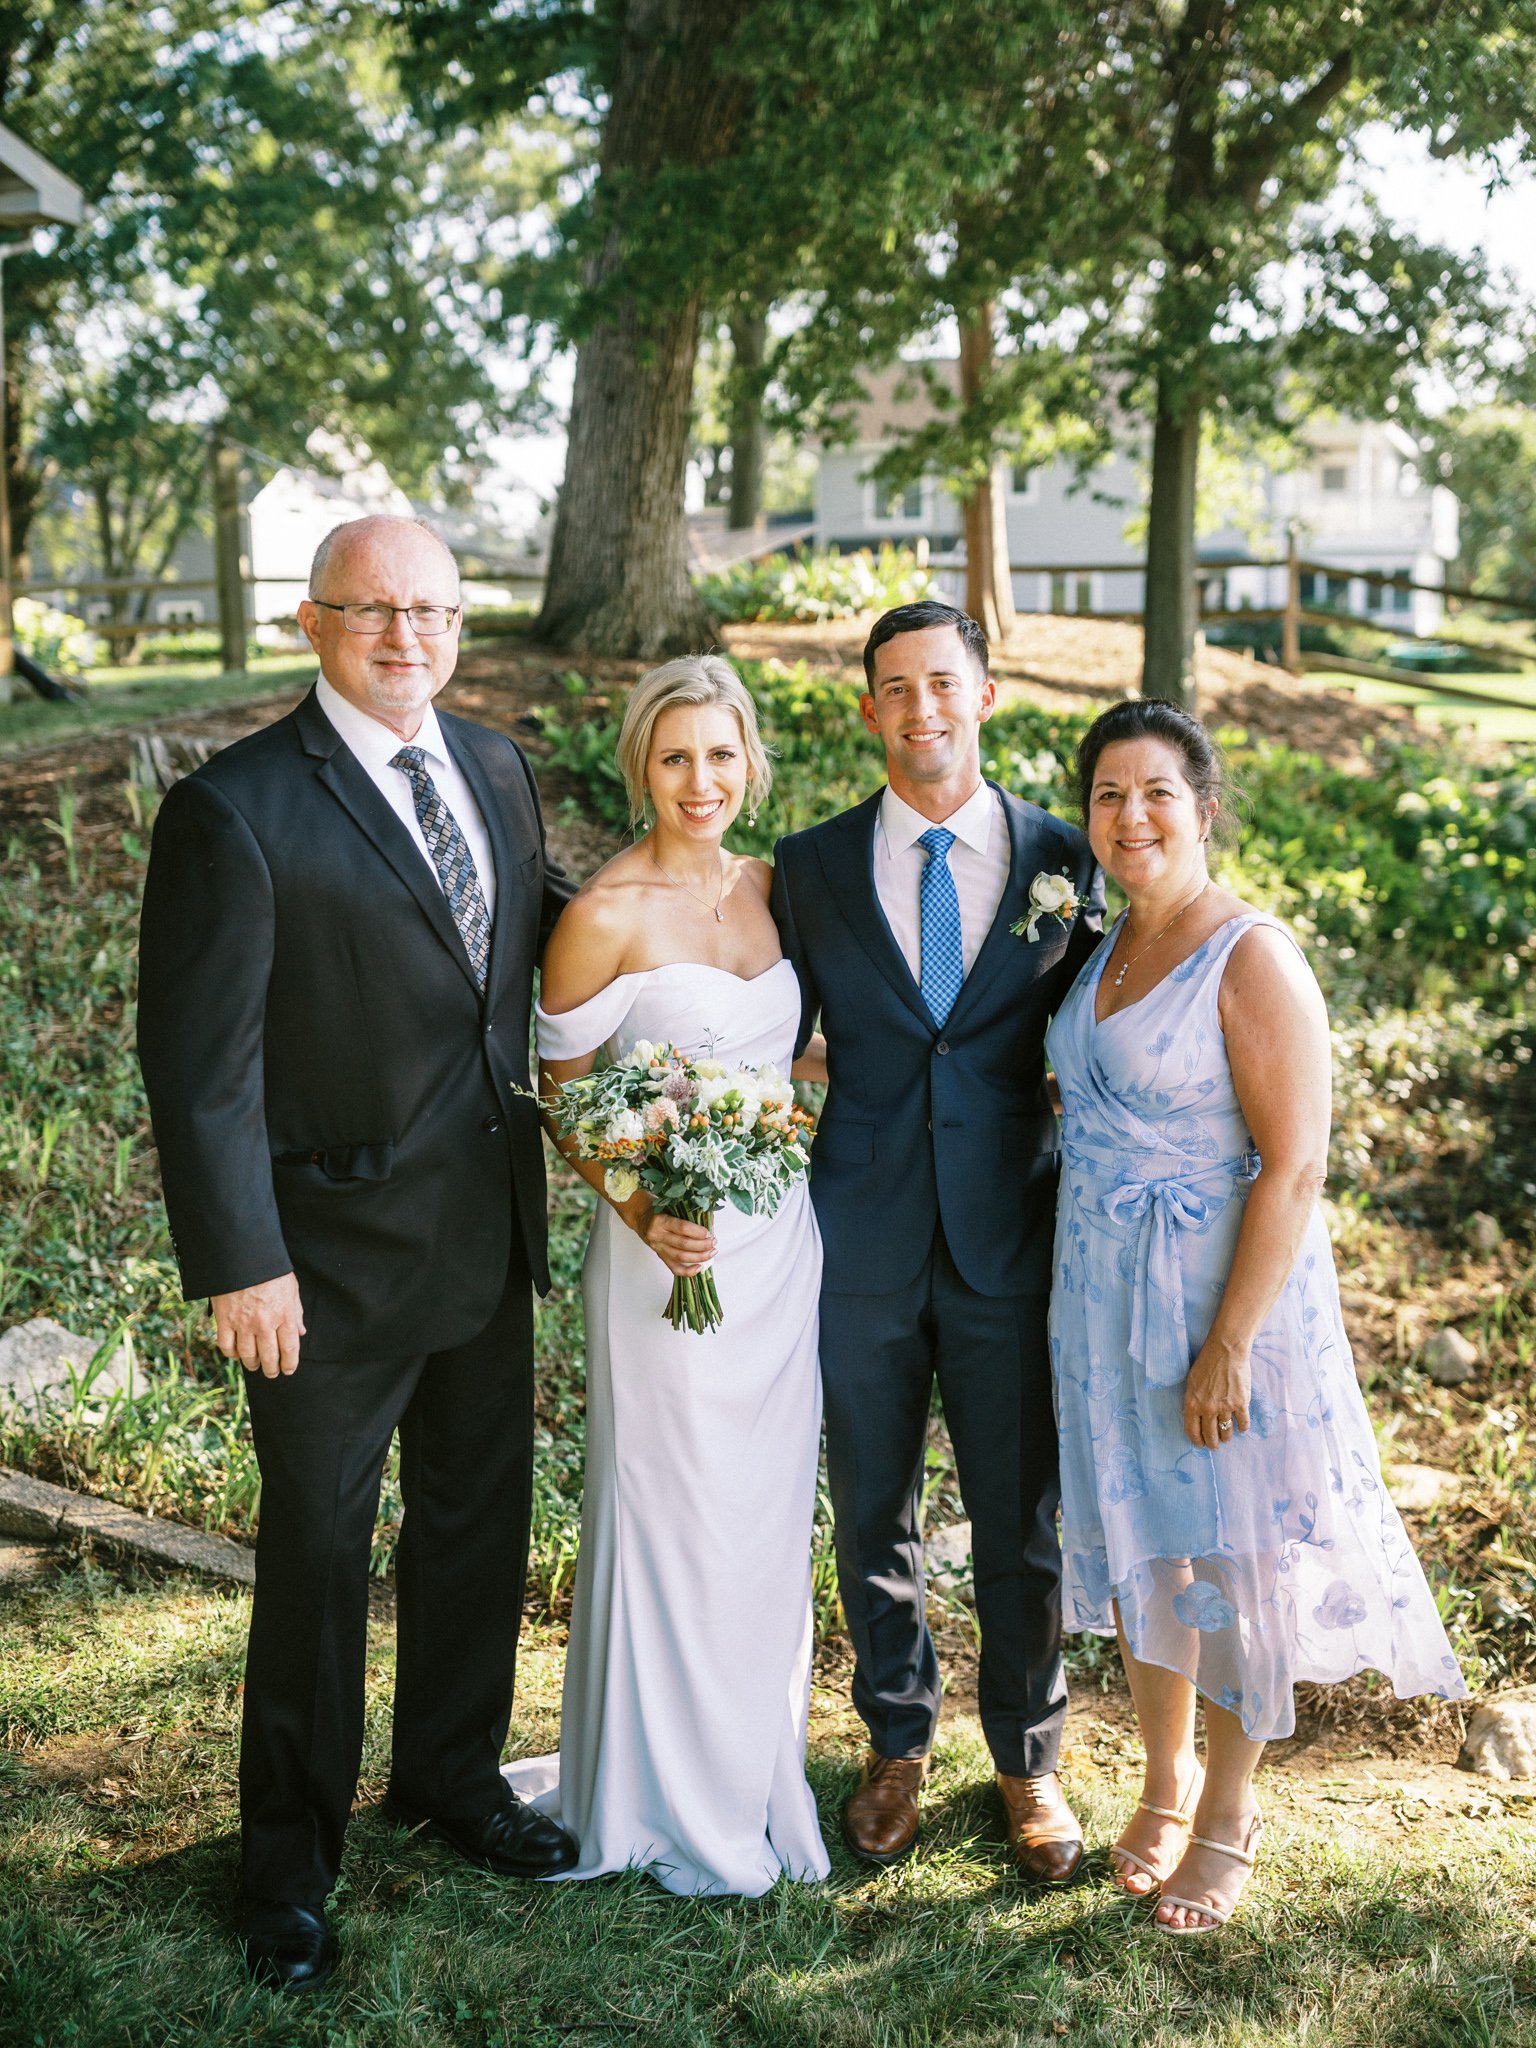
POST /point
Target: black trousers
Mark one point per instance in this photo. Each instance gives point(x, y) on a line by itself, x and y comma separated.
point(879, 1356)
point(465, 1419)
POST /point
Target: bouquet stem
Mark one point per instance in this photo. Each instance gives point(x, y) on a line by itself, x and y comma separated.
point(694, 1303)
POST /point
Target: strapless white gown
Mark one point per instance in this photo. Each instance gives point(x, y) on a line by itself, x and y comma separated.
point(687, 1679)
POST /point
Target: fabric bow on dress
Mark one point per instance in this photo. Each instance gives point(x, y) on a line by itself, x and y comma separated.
point(1159, 1336)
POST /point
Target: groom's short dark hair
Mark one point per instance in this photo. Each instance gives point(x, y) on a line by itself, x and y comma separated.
point(917, 618)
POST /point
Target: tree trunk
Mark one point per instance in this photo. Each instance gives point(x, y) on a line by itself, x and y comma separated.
point(1169, 619)
point(618, 579)
point(749, 344)
point(229, 569)
point(988, 579)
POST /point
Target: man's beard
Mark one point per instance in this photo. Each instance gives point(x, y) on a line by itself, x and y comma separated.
point(400, 693)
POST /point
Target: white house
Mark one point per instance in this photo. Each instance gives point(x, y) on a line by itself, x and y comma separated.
point(1356, 499)
point(289, 517)
point(282, 523)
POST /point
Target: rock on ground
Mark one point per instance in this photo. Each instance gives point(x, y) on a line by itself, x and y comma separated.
point(1420, 1487)
point(1501, 1738)
point(36, 1510)
point(947, 1556)
point(1448, 1358)
point(40, 1360)
point(1483, 1232)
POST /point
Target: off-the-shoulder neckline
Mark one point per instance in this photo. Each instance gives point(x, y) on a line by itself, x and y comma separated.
point(643, 973)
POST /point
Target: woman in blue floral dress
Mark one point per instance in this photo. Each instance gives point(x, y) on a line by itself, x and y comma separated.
point(1222, 1502)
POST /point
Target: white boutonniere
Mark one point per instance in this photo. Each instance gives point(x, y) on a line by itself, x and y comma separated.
point(1049, 896)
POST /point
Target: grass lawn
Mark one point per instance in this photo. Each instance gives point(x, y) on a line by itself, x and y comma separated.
point(121, 695)
point(1488, 721)
point(1368, 1922)
point(1396, 1901)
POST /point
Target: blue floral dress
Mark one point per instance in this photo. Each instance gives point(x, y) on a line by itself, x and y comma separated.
point(1280, 1556)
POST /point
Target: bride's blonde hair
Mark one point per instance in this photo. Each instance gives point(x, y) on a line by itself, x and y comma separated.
point(690, 679)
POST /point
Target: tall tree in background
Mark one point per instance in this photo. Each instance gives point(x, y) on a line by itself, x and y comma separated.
point(96, 87)
point(1487, 455)
point(748, 426)
point(283, 259)
point(638, 251)
point(976, 143)
point(1258, 111)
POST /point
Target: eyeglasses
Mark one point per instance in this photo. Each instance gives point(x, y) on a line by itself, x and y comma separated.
point(425, 619)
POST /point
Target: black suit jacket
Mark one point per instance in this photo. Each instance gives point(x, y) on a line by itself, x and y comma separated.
point(920, 1124)
point(329, 1091)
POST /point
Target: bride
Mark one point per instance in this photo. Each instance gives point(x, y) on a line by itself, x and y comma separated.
point(687, 1680)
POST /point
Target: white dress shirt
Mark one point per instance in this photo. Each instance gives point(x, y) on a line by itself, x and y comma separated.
point(375, 746)
point(979, 861)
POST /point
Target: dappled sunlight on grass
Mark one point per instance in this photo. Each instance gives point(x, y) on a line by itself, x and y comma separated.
point(118, 1712)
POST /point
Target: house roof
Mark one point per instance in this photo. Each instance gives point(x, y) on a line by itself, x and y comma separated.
point(897, 401)
point(33, 192)
point(897, 398)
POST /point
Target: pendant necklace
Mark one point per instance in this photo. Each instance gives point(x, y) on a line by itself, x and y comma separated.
point(1132, 958)
point(713, 908)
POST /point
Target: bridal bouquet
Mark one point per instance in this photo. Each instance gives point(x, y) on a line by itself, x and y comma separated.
point(695, 1135)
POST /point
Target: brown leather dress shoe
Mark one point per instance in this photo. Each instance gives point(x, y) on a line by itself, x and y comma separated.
point(880, 1820)
point(1043, 1833)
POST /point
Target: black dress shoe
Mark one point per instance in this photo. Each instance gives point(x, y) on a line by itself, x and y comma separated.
point(512, 1840)
point(287, 1947)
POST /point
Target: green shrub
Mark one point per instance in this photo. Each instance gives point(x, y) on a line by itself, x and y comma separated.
point(1421, 872)
point(83, 1234)
point(53, 638)
point(819, 586)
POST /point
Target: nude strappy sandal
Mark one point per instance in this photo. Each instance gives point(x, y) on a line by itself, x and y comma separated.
point(1182, 1814)
point(1214, 1914)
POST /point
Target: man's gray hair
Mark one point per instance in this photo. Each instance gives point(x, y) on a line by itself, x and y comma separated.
point(327, 547)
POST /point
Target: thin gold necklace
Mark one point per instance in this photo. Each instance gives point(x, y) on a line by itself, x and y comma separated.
point(714, 908)
point(1132, 958)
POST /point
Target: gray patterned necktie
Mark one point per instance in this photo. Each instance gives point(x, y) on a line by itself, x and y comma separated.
point(452, 858)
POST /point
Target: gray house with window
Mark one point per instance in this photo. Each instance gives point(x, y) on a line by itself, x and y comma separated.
point(1355, 497)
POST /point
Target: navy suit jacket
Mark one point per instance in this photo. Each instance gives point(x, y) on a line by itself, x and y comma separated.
point(922, 1125)
point(330, 1092)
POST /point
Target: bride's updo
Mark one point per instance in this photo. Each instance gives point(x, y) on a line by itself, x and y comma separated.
point(692, 679)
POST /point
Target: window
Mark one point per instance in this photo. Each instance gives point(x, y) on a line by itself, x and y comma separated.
point(1320, 587)
point(1335, 476)
point(901, 501)
point(1023, 481)
point(1401, 600)
point(1071, 592)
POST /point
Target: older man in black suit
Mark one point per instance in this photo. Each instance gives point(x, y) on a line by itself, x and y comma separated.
point(934, 1178)
point(342, 918)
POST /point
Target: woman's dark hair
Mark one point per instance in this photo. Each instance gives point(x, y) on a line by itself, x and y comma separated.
point(1148, 718)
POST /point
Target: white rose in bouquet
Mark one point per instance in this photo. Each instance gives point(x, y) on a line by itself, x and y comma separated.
point(620, 1183)
point(773, 1091)
point(714, 1082)
point(628, 1127)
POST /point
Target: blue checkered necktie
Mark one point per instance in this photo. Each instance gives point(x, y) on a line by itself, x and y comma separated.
point(943, 951)
point(452, 858)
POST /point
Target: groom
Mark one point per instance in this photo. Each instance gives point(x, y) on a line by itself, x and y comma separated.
point(341, 922)
point(934, 1179)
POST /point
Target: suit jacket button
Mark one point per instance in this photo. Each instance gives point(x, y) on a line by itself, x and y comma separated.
point(492, 1123)
point(942, 1046)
